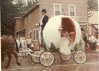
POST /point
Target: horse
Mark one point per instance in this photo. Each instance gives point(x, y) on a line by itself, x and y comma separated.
point(9, 47)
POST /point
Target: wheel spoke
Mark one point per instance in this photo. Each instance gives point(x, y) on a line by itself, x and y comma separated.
point(35, 56)
point(80, 56)
point(46, 58)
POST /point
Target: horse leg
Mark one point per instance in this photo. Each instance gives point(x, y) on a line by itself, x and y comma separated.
point(16, 56)
point(2, 56)
point(9, 61)
point(2, 59)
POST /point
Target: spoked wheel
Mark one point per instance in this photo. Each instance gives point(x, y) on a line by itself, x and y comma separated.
point(35, 56)
point(65, 57)
point(80, 56)
point(47, 58)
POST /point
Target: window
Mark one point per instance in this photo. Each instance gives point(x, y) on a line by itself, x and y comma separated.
point(57, 9)
point(36, 34)
point(72, 10)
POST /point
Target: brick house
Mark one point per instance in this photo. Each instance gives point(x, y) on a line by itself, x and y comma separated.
point(25, 25)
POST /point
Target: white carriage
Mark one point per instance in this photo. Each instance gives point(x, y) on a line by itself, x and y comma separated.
point(52, 34)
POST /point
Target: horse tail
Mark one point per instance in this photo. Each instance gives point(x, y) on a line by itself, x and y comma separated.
point(17, 49)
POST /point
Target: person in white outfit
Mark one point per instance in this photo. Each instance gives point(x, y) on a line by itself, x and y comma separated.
point(81, 45)
point(32, 46)
point(21, 38)
point(24, 44)
point(72, 37)
point(29, 41)
point(92, 42)
point(65, 39)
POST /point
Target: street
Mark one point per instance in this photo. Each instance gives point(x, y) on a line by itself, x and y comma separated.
point(91, 64)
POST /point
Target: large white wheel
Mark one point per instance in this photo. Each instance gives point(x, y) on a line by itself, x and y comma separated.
point(47, 58)
point(80, 56)
point(35, 56)
point(65, 57)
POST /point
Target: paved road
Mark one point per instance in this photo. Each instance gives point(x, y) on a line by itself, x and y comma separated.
point(91, 64)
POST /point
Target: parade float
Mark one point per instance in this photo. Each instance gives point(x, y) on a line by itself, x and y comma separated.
point(52, 35)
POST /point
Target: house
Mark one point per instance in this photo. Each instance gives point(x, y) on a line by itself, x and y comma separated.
point(25, 25)
point(93, 21)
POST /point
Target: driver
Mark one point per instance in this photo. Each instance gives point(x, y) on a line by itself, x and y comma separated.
point(42, 24)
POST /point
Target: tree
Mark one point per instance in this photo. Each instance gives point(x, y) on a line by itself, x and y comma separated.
point(11, 9)
point(30, 4)
point(8, 12)
point(93, 4)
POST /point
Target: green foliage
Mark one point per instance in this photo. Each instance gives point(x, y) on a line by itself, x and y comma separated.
point(53, 48)
point(93, 4)
point(9, 10)
point(30, 4)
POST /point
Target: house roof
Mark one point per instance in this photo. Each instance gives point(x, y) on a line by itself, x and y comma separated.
point(31, 9)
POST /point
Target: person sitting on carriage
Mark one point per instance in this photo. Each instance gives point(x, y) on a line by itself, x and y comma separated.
point(65, 33)
point(71, 38)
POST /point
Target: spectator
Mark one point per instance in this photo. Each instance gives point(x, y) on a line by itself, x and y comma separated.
point(24, 45)
point(81, 44)
point(21, 38)
point(85, 40)
point(32, 46)
point(29, 41)
point(92, 42)
point(18, 42)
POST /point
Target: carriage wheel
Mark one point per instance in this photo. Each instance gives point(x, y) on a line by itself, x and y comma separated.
point(80, 56)
point(47, 58)
point(65, 57)
point(35, 56)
